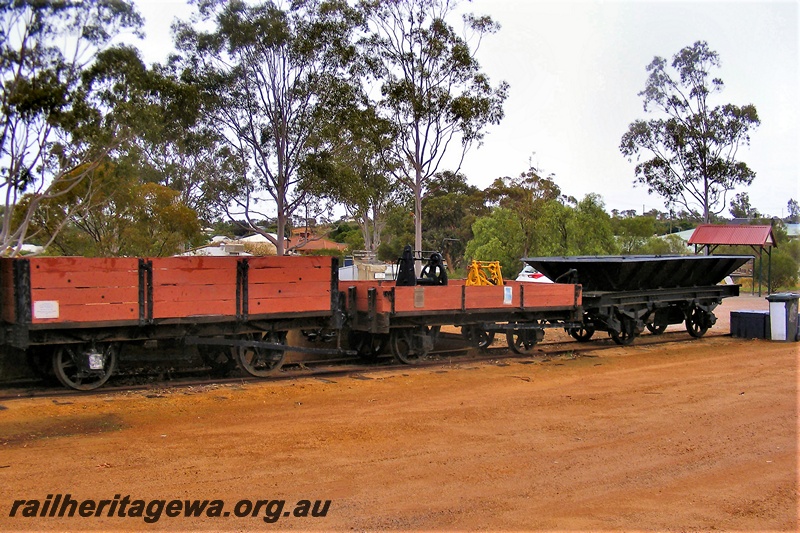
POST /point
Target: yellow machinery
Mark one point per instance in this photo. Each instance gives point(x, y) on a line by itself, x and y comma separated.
point(484, 273)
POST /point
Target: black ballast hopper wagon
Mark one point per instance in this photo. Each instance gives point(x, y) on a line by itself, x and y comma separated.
point(623, 295)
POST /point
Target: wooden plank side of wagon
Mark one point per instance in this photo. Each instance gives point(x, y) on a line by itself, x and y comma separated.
point(185, 287)
point(419, 299)
point(290, 285)
point(83, 290)
point(458, 298)
point(383, 303)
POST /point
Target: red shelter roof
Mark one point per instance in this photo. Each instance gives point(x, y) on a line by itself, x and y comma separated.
point(717, 235)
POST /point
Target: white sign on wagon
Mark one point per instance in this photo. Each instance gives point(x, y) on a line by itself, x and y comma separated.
point(507, 295)
point(45, 309)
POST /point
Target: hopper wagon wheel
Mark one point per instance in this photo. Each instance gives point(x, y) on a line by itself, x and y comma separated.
point(627, 332)
point(656, 330)
point(522, 341)
point(259, 361)
point(85, 366)
point(478, 336)
point(697, 322)
point(582, 334)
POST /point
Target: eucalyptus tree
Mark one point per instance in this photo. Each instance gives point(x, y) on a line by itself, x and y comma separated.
point(267, 74)
point(527, 196)
point(794, 211)
point(350, 169)
point(740, 207)
point(431, 87)
point(450, 207)
point(54, 131)
point(177, 148)
point(692, 146)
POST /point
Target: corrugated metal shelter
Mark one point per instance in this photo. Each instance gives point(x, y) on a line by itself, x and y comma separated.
point(759, 238)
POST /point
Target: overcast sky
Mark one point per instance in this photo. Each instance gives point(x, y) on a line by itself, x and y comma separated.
point(575, 71)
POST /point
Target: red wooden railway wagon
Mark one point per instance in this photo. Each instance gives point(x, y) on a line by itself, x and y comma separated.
point(409, 317)
point(78, 312)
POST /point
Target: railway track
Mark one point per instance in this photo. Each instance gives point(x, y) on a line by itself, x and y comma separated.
point(456, 351)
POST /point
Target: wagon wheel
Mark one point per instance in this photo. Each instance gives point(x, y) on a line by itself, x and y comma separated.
point(84, 366)
point(220, 359)
point(697, 322)
point(258, 361)
point(656, 330)
point(522, 341)
point(409, 345)
point(478, 336)
point(401, 342)
point(368, 345)
point(582, 334)
point(626, 334)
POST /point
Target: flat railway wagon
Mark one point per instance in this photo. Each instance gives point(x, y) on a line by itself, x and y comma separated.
point(409, 318)
point(623, 295)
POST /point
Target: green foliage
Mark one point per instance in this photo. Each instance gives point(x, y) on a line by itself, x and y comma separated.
point(56, 126)
point(527, 195)
point(792, 248)
point(352, 168)
point(667, 245)
point(327, 253)
point(113, 214)
point(633, 233)
point(590, 229)
point(584, 229)
point(398, 233)
point(692, 146)
point(556, 230)
point(498, 237)
point(581, 230)
point(740, 207)
point(349, 234)
point(341, 231)
point(449, 210)
point(784, 271)
point(794, 211)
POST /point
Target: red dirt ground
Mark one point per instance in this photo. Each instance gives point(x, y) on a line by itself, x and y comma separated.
point(683, 436)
